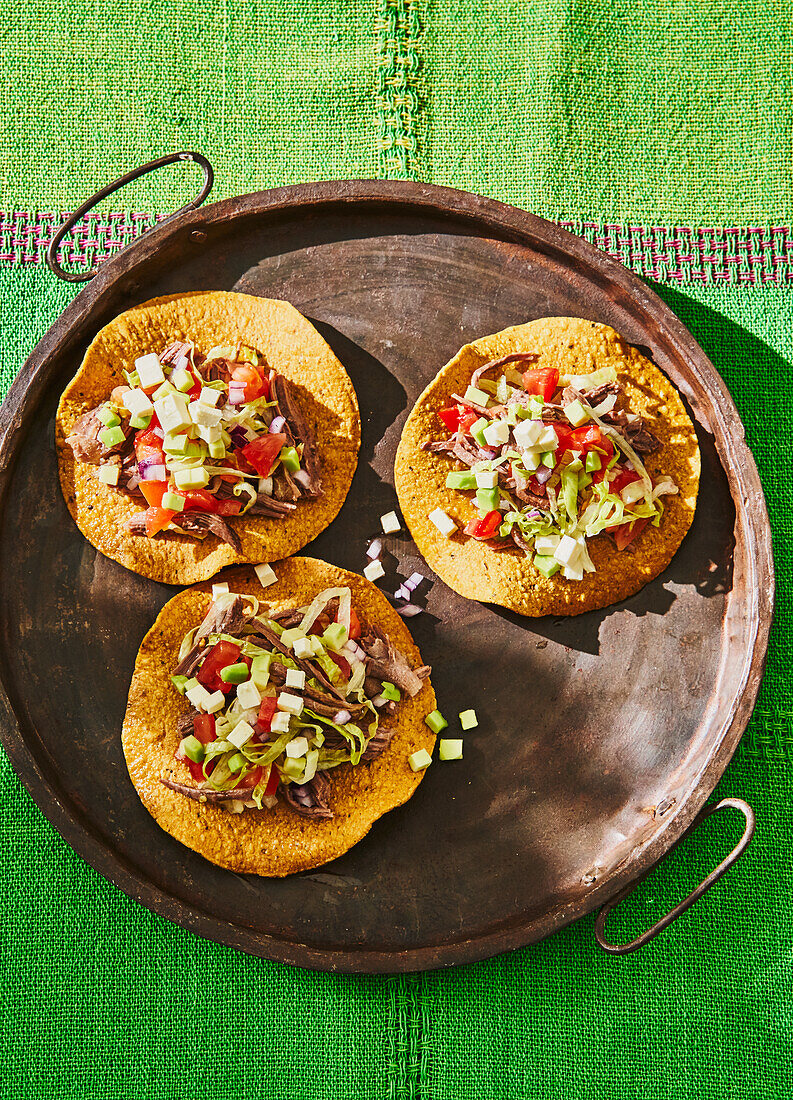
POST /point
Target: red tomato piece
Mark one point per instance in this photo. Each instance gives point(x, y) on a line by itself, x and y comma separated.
point(355, 624)
point(272, 781)
point(196, 770)
point(467, 419)
point(484, 528)
point(564, 434)
point(249, 781)
point(157, 519)
point(624, 477)
point(251, 381)
point(204, 728)
point(541, 382)
point(262, 453)
point(589, 437)
point(451, 417)
point(266, 711)
point(627, 532)
point(342, 663)
point(220, 655)
point(154, 491)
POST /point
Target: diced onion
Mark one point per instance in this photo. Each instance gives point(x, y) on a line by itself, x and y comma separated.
point(413, 581)
point(277, 424)
point(154, 473)
point(543, 474)
point(409, 610)
point(342, 717)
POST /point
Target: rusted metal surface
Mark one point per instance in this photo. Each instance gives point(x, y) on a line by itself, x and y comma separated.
point(600, 737)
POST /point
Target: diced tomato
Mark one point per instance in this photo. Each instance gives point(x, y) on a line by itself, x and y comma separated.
point(451, 417)
point(147, 437)
point(564, 433)
point(272, 782)
point(220, 655)
point(537, 487)
point(342, 663)
point(157, 519)
point(589, 437)
point(266, 711)
point(486, 527)
point(248, 377)
point(624, 477)
point(196, 770)
point(467, 420)
point(249, 781)
point(204, 727)
point(199, 500)
point(541, 382)
point(627, 532)
point(355, 624)
point(153, 491)
point(262, 453)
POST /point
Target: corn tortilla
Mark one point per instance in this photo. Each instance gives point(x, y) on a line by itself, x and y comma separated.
point(507, 577)
point(293, 347)
point(274, 842)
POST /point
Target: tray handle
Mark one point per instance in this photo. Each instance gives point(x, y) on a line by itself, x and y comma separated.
point(695, 895)
point(53, 262)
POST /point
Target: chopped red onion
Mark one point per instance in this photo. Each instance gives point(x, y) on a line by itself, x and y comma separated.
point(277, 424)
point(302, 478)
point(159, 433)
point(543, 474)
point(413, 581)
point(403, 593)
point(238, 436)
point(409, 610)
point(181, 363)
point(485, 453)
point(535, 513)
point(375, 549)
point(342, 716)
point(379, 701)
point(154, 473)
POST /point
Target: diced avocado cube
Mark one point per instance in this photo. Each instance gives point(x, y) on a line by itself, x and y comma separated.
point(173, 502)
point(593, 462)
point(175, 444)
point(217, 449)
point(234, 674)
point(193, 749)
point(549, 459)
point(140, 422)
point(391, 692)
point(110, 437)
point(182, 379)
point(436, 721)
point(107, 416)
point(468, 719)
point(478, 397)
point(460, 479)
point(487, 500)
point(290, 636)
point(179, 683)
point(293, 768)
point(546, 565)
point(334, 636)
point(163, 391)
point(450, 749)
point(237, 762)
point(576, 413)
point(290, 459)
point(420, 760)
point(477, 428)
point(191, 479)
point(260, 670)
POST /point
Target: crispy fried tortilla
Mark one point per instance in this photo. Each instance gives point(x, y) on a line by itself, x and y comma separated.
point(293, 348)
point(271, 842)
point(507, 576)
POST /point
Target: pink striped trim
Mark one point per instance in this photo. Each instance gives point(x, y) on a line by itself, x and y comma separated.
point(733, 255)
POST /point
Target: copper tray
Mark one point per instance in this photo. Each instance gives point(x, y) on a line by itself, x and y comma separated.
point(567, 795)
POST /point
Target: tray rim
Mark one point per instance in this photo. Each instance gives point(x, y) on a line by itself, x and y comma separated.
point(503, 221)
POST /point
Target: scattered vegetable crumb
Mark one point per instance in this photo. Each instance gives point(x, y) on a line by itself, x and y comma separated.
point(450, 749)
point(468, 719)
point(390, 523)
point(266, 574)
point(419, 760)
point(374, 570)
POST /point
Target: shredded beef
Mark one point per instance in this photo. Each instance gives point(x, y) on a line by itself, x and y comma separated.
point(85, 443)
point(480, 409)
point(519, 540)
point(524, 357)
point(284, 488)
point(320, 702)
point(207, 521)
point(377, 745)
point(268, 639)
point(282, 391)
point(184, 724)
point(267, 505)
point(206, 794)
point(310, 799)
point(385, 661)
point(442, 446)
point(225, 620)
point(600, 393)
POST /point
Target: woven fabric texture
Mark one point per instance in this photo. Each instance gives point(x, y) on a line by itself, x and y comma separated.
point(658, 129)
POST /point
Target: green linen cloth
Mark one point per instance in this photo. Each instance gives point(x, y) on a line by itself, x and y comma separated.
point(660, 130)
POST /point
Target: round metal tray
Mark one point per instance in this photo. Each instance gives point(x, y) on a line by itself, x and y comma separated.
point(600, 736)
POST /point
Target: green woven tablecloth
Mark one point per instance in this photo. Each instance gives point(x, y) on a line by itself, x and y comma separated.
point(660, 130)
